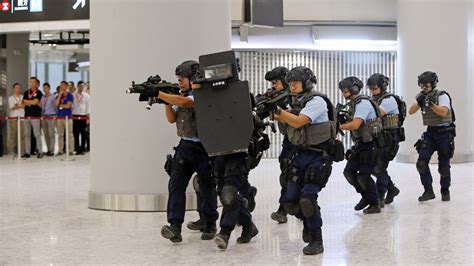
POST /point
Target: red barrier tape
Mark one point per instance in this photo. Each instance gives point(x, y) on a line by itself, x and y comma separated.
point(44, 118)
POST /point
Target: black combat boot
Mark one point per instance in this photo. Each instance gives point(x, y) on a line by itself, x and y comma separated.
point(196, 225)
point(280, 215)
point(315, 245)
point(392, 192)
point(251, 200)
point(445, 195)
point(222, 239)
point(172, 232)
point(248, 232)
point(427, 195)
point(361, 205)
point(381, 199)
point(373, 208)
point(209, 231)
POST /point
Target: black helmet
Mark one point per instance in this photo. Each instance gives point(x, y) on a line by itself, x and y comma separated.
point(378, 80)
point(187, 69)
point(428, 77)
point(352, 83)
point(303, 74)
point(278, 73)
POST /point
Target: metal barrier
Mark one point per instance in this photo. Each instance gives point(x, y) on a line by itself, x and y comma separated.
point(19, 119)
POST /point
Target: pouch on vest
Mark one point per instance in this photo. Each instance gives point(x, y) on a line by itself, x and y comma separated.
point(318, 175)
point(401, 134)
point(423, 144)
point(336, 149)
point(297, 136)
point(186, 122)
point(381, 140)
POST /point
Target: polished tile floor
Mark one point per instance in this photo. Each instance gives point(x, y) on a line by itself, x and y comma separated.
point(44, 219)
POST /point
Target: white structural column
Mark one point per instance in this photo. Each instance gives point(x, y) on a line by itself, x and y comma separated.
point(131, 40)
point(437, 35)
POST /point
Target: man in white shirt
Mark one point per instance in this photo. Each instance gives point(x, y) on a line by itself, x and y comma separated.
point(16, 109)
point(80, 114)
point(71, 87)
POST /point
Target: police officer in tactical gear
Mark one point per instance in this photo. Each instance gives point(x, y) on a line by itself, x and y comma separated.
point(311, 126)
point(230, 167)
point(231, 171)
point(247, 191)
point(438, 116)
point(365, 125)
point(236, 195)
point(190, 156)
point(393, 112)
point(277, 77)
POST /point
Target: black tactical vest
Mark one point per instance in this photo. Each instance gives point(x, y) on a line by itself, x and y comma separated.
point(186, 122)
point(311, 134)
point(391, 121)
point(283, 128)
point(430, 118)
point(369, 129)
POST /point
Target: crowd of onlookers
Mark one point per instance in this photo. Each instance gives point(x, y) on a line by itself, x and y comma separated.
point(46, 113)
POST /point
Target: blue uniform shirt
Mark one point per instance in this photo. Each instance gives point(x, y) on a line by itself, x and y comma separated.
point(443, 100)
point(195, 139)
point(390, 106)
point(365, 111)
point(316, 109)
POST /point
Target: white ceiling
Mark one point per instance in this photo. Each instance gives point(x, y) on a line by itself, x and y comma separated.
point(56, 54)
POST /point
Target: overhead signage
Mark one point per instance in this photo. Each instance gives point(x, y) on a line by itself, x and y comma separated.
point(43, 10)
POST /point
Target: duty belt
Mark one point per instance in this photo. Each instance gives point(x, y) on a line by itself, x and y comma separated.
point(440, 129)
point(192, 145)
point(322, 148)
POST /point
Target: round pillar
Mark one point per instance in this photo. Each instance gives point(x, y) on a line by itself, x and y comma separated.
point(131, 40)
point(433, 35)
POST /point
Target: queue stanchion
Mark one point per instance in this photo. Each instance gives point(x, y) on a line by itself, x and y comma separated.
point(67, 159)
point(18, 137)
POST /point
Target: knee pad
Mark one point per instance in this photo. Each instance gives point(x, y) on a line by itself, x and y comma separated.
point(363, 181)
point(379, 170)
point(422, 166)
point(350, 176)
point(229, 196)
point(291, 208)
point(444, 171)
point(307, 207)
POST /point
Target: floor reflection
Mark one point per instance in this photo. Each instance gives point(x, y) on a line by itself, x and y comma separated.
point(44, 219)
